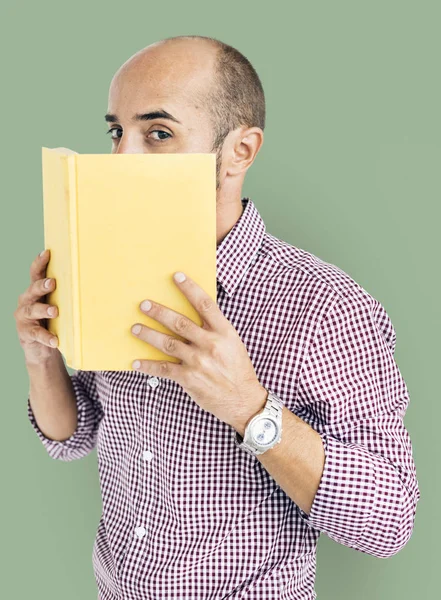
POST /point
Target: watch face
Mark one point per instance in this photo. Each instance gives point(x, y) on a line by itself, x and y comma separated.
point(264, 432)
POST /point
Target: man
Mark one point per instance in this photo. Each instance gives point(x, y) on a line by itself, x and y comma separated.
point(205, 494)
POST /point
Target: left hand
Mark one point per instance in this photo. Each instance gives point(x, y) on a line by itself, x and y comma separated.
point(215, 369)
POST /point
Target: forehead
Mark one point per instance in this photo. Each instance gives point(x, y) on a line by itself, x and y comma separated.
point(176, 82)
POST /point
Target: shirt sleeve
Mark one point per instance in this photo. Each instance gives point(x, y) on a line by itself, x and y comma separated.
point(351, 392)
point(90, 413)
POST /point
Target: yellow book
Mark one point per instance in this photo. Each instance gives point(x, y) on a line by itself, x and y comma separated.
point(118, 226)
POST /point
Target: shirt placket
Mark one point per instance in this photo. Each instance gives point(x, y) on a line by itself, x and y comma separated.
point(141, 529)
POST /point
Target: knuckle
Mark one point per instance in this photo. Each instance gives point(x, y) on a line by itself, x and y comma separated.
point(170, 343)
point(33, 331)
point(181, 324)
point(22, 339)
point(205, 305)
point(163, 367)
point(214, 350)
point(158, 312)
point(212, 347)
point(202, 363)
point(193, 357)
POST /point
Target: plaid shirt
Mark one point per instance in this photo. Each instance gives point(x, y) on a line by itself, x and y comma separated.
point(187, 514)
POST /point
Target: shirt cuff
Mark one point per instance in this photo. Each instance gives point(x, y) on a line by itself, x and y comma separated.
point(48, 442)
point(82, 441)
point(345, 498)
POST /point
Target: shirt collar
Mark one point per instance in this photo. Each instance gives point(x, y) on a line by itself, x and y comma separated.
point(238, 248)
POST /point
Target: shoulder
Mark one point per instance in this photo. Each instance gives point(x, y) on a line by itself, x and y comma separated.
point(337, 281)
point(344, 295)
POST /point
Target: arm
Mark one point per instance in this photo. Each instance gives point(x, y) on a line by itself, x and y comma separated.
point(359, 483)
point(64, 410)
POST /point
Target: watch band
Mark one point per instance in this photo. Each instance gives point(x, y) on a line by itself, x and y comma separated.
point(273, 410)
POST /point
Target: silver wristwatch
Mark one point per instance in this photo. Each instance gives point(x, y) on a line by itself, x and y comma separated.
point(264, 430)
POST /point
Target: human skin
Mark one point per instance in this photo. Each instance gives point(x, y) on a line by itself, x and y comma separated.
point(215, 368)
point(172, 77)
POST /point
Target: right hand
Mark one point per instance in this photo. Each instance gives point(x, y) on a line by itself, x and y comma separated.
point(31, 315)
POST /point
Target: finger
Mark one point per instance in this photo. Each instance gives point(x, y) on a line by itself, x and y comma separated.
point(175, 322)
point(38, 289)
point(160, 368)
point(37, 311)
point(166, 343)
point(38, 266)
point(207, 308)
point(37, 333)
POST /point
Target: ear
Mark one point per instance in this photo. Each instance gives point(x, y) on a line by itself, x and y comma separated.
point(245, 146)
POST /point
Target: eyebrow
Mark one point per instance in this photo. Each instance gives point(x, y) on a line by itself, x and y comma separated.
point(156, 114)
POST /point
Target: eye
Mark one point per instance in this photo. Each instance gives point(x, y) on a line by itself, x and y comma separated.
point(159, 131)
point(111, 130)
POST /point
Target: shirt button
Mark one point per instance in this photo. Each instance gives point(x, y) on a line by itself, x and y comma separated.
point(140, 531)
point(147, 455)
point(153, 382)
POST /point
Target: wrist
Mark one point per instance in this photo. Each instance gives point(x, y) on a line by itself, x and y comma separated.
point(257, 401)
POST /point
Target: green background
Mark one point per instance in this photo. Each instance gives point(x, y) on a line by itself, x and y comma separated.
point(349, 170)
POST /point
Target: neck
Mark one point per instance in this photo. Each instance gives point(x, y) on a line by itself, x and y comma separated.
point(227, 215)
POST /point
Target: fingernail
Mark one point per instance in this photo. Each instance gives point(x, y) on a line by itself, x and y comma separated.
point(179, 277)
point(47, 283)
point(41, 253)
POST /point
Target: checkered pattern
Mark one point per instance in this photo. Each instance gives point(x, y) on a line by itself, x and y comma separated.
point(187, 514)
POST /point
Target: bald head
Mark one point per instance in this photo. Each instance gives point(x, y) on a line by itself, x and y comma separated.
point(177, 66)
point(183, 94)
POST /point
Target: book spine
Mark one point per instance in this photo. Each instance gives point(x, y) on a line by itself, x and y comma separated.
point(71, 181)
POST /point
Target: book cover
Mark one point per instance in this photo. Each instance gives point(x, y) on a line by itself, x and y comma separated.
point(118, 226)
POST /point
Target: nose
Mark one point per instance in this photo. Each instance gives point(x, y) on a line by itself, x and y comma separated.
point(126, 149)
point(130, 144)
